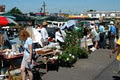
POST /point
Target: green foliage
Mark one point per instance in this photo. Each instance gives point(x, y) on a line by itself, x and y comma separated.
point(72, 50)
point(91, 10)
point(119, 26)
point(73, 38)
point(32, 14)
point(83, 53)
point(53, 48)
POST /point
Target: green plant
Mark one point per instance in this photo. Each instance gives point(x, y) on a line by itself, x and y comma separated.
point(119, 26)
point(72, 50)
point(84, 53)
point(53, 48)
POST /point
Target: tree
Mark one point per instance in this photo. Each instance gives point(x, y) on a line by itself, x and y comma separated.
point(91, 10)
point(15, 10)
point(32, 14)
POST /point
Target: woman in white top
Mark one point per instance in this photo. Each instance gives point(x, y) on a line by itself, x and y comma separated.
point(59, 37)
point(94, 36)
point(44, 32)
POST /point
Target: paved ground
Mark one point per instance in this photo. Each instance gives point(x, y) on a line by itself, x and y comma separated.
point(97, 67)
point(109, 73)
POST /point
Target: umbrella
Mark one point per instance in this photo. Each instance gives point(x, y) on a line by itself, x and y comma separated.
point(7, 21)
point(69, 23)
point(3, 21)
point(11, 22)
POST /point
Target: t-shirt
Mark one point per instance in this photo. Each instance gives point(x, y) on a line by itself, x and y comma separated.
point(44, 34)
point(101, 29)
point(58, 36)
point(95, 32)
point(26, 46)
point(26, 53)
point(113, 29)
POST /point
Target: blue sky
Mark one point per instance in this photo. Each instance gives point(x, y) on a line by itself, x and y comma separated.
point(68, 6)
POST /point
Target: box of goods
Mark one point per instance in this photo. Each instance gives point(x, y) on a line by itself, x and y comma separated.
point(87, 42)
point(44, 51)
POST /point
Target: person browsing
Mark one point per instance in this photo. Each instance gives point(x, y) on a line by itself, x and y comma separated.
point(27, 62)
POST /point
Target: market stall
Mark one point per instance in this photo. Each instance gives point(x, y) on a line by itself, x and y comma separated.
point(4, 21)
point(12, 57)
point(48, 54)
point(45, 54)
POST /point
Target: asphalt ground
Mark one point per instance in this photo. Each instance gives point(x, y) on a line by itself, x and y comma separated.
point(98, 66)
point(109, 73)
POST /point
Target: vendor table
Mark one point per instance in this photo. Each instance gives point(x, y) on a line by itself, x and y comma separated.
point(12, 61)
point(45, 53)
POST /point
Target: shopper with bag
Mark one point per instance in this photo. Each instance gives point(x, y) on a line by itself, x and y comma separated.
point(112, 32)
point(27, 62)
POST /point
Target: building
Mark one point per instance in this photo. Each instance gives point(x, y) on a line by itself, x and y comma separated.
point(102, 14)
point(40, 14)
point(78, 16)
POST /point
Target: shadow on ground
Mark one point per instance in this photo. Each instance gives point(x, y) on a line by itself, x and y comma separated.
point(116, 77)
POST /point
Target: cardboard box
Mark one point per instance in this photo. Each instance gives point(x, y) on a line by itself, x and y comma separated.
point(44, 51)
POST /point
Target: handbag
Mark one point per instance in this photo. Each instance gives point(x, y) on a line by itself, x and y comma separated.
point(21, 49)
point(33, 54)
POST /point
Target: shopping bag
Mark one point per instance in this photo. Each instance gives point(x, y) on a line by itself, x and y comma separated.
point(115, 40)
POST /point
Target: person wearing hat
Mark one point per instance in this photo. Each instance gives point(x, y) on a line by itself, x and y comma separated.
point(112, 34)
point(44, 32)
point(45, 24)
point(116, 49)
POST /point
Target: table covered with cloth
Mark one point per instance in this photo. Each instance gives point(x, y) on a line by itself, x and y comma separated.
point(13, 62)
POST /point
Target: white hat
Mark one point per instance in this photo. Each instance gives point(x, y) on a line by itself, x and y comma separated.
point(111, 22)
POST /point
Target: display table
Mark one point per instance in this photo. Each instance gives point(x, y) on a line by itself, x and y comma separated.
point(12, 60)
point(46, 54)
